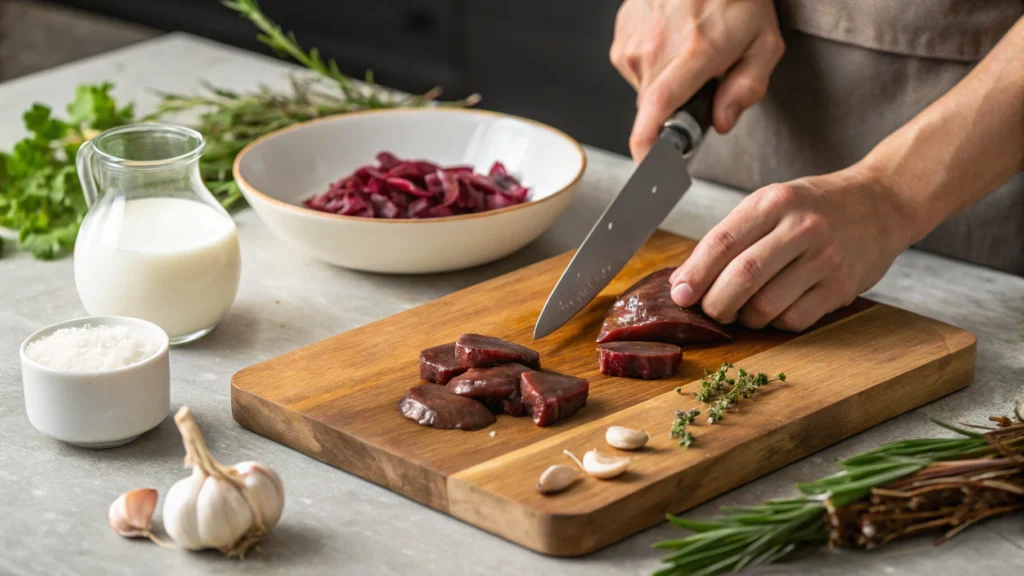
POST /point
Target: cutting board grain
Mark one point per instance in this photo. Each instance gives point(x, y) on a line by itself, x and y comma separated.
point(336, 401)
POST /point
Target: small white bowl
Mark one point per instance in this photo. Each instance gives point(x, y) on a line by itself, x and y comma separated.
point(99, 409)
point(280, 170)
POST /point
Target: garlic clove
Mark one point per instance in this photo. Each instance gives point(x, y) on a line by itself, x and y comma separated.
point(222, 515)
point(556, 478)
point(131, 515)
point(179, 512)
point(265, 490)
point(626, 438)
point(604, 466)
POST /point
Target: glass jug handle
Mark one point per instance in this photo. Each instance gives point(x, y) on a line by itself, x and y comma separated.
point(83, 163)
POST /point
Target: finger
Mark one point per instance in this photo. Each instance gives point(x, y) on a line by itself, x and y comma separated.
point(747, 82)
point(660, 98)
point(784, 289)
point(809, 308)
point(744, 226)
point(752, 269)
point(626, 66)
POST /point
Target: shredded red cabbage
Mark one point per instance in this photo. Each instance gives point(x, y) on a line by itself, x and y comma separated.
point(397, 188)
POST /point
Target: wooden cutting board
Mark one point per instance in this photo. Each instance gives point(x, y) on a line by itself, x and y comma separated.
point(336, 401)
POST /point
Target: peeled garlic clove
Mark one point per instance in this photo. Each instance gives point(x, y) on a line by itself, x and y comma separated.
point(131, 515)
point(556, 478)
point(265, 490)
point(626, 438)
point(604, 466)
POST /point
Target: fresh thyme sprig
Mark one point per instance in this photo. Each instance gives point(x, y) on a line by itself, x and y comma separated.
point(679, 431)
point(728, 391)
point(879, 496)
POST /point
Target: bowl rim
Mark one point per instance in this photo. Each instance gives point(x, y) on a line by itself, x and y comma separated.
point(162, 349)
point(249, 188)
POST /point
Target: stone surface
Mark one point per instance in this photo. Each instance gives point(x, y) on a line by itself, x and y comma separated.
point(54, 497)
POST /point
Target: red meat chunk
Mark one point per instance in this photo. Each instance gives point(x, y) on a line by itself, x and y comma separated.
point(646, 312)
point(496, 387)
point(479, 351)
point(550, 397)
point(649, 360)
point(440, 364)
point(431, 405)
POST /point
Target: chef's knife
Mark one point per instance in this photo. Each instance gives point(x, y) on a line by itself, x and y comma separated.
point(655, 187)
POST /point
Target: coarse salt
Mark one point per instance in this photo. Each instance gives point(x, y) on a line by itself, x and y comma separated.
point(90, 348)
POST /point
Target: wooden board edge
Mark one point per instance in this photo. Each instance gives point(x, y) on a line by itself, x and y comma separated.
point(570, 535)
point(333, 447)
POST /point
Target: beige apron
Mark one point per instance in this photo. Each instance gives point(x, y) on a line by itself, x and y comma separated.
point(855, 71)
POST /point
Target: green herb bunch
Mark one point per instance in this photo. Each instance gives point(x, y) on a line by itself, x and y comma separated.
point(40, 195)
point(894, 491)
point(679, 431)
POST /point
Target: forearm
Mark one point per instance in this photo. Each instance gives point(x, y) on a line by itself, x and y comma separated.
point(962, 146)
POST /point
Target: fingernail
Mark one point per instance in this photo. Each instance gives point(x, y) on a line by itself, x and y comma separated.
point(682, 294)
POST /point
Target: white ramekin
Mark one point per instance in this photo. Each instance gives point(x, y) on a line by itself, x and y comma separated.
point(100, 409)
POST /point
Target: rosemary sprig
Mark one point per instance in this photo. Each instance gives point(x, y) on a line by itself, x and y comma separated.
point(896, 479)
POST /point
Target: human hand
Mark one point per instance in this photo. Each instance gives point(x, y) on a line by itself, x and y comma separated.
point(668, 49)
point(790, 253)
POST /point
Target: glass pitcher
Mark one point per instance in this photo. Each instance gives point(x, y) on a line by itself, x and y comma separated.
point(155, 243)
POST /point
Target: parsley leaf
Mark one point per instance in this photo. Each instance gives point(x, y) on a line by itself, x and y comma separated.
point(40, 195)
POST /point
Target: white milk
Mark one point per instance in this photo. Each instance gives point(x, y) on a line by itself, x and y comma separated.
point(171, 261)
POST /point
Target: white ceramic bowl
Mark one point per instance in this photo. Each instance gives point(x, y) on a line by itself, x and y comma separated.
point(99, 409)
point(277, 172)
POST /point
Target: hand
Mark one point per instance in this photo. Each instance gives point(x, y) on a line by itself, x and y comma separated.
point(668, 49)
point(790, 253)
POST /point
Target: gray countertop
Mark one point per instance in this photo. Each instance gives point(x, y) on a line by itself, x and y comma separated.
point(54, 497)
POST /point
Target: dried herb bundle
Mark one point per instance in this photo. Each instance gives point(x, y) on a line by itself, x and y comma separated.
point(897, 490)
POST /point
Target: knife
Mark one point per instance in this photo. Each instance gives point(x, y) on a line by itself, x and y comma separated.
point(652, 191)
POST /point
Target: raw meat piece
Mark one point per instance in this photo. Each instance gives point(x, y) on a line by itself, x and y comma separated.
point(646, 312)
point(479, 351)
point(647, 360)
point(430, 405)
point(440, 364)
point(550, 397)
point(397, 188)
point(497, 387)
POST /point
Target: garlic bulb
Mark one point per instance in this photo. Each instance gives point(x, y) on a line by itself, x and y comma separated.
point(556, 478)
point(228, 508)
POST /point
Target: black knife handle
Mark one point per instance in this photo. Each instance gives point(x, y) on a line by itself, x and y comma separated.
point(692, 120)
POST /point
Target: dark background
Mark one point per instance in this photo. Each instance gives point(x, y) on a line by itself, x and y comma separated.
point(543, 59)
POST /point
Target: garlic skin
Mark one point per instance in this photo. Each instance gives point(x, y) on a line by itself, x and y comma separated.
point(626, 438)
point(131, 515)
point(556, 478)
point(265, 489)
point(603, 466)
point(228, 508)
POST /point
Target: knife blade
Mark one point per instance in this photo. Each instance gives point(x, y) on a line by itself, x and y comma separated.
point(634, 214)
